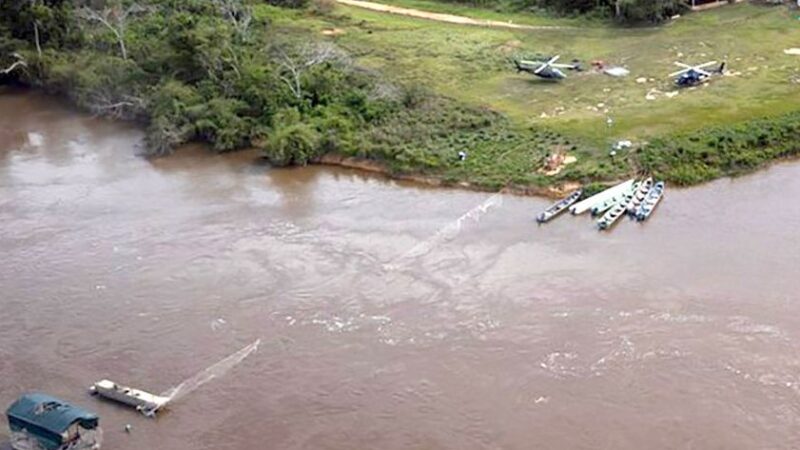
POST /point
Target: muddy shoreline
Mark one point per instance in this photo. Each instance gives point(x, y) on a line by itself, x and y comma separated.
point(433, 181)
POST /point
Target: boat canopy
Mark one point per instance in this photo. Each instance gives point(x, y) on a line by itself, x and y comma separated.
point(47, 417)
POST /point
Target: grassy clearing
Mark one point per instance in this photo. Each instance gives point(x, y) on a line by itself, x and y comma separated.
point(471, 65)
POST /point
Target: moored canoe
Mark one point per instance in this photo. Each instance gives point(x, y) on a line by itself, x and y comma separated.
point(559, 207)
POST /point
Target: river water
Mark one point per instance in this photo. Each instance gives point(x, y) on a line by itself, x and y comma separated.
point(391, 316)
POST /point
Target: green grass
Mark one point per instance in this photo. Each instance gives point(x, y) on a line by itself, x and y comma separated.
point(472, 64)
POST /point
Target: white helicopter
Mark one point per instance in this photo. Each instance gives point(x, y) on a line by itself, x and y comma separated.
point(545, 69)
point(694, 75)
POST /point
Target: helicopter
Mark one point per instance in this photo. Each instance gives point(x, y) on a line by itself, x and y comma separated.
point(694, 75)
point(545, 69)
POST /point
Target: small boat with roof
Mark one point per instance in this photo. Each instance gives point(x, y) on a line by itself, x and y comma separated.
point(39, 421)
point(559, 207)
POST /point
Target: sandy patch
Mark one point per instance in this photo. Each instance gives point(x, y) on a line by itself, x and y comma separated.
point(556, 163)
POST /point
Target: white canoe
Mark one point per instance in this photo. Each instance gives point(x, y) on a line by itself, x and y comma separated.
point(604, 206)
point(618, 210)
point(639, 196)
point(611, 217)
point(586, 205)
point(143, 401)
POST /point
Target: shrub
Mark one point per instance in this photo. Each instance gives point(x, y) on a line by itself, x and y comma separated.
point(295, 4)
point(727, 150)
point(221, 124)
point(654, 11)
point(322, 7)
point(294, 144)
point(171, 123)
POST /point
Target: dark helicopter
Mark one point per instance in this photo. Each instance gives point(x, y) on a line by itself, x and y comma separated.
point(545, 69)
point(694, 75)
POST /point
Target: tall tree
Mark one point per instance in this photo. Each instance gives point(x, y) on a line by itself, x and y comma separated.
point(113, 16)
point(298, 60)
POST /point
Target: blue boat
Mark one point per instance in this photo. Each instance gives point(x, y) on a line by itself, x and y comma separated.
point(650, 202)
point(52, 424)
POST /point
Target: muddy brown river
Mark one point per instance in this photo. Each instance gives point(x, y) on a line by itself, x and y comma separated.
point(391, 316)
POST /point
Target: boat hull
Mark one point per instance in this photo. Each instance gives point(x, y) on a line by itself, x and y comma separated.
point(586, 205)
point(647, 207)
point(559, 207)
point(621, 197)
point(639, 196)
point(141, 400)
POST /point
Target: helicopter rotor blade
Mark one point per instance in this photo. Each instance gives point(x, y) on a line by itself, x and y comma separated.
point(544, 66)
point(680, 72)
point(525, 65)
point(702, 72)
point(705, 65)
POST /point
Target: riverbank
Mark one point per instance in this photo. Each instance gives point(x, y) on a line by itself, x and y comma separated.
point(376, 167)
point(401, 94)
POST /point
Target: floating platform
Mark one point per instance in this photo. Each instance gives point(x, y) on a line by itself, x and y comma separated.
point(143, 401)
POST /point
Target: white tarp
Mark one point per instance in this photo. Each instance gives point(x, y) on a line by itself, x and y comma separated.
point(617, 71)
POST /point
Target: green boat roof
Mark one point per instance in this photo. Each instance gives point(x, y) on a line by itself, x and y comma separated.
point(49, 413)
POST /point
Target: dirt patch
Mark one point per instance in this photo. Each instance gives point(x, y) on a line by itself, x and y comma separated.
point(510, 47)
point(439, 17)
point(556, 163)
point(333, 31)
